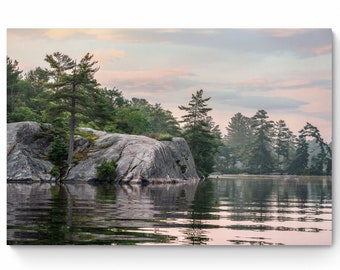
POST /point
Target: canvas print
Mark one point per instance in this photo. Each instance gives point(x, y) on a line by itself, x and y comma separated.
point(169, 137)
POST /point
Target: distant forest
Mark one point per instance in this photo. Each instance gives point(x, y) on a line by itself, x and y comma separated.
point(66, 96)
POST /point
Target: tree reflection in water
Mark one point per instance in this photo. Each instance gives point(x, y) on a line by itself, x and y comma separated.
point(237, 210)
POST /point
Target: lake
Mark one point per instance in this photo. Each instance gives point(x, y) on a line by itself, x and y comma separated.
point(233, 210)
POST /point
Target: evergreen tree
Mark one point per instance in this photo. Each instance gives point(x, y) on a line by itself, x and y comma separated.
point(226, 158)
point(300, 162)
point(72, 84)
point(199, 134)
point(239, 136)
point(162, 121)
point(260, 150)
point(138, 116)
point(322, 163)
point(13, 79)
point(283, 143)
point(239, 130)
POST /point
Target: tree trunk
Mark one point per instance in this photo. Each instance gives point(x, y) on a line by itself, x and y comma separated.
point(72, 127)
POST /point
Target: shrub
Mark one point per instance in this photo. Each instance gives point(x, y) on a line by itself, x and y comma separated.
point(55, 171)
point(183, 167)
point(58, 153)
point(106, 171)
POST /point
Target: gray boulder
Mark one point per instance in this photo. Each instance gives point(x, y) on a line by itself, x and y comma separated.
point(138, 159)
point(26, 152)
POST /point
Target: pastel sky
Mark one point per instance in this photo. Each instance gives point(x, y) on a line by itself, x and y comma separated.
point(287, 72)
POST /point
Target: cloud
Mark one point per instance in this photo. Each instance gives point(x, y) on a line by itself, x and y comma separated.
point(105, 56)
point(237, 99)
point(283, 32)
point(264, 86)
point(325, 49)
point(303, 42)
point(152, 80)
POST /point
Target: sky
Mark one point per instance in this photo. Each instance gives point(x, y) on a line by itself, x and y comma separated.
point(287, 72)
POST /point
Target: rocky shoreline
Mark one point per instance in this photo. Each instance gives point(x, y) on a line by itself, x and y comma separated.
point(138, 159)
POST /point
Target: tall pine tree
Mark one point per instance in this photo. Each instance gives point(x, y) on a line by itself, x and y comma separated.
point(283, 144)
point(199, 133)
point(72, 84)
point(300, 162)
point(260, 149)
point(13, 79)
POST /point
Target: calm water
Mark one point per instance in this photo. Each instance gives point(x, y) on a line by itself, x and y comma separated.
point(236, 210)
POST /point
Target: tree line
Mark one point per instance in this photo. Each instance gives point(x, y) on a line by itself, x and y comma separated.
point(67, 95)
point(258, 145)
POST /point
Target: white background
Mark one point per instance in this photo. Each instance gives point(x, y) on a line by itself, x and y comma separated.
point(175, 13)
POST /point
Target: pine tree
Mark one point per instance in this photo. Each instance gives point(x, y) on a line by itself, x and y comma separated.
point(72, 84)
point(300, 162)
point(283, 143)
point(322, 163)
point(199, 133)
point(260, 149)
point(239, 136)
point(13, 89)
point(239, 130)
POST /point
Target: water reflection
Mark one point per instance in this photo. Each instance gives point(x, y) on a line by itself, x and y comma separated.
point(230, 211)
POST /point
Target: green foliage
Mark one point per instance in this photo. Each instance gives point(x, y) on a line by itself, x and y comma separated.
point(131, 121)
point(58, 152)
point(72, 85)
point(239, 130)
point(90, 135)
point(164, 137)
point(260, 148)
point(283, 144)
point(20, 114)
point(106, 171)
point(160, 137)
point(66, 95)
point(183, 167)
point(55, 171)
point(201, 134)
point(14, 93)
point(257, 145)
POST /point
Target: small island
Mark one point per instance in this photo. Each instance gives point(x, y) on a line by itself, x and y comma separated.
point(132, 158)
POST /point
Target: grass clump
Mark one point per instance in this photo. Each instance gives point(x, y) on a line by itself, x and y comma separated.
point(87, 134)
point(160, 136)
point(164, 137)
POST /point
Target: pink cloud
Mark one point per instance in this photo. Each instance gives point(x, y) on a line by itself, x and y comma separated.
point(105, 56)
point(261, 83)
point(144, 74)
point(285, 32)
point(59, 33)
point(285, 81)
point(141, 78)
point(323, 50)
point(64, 33)
point(318, 100)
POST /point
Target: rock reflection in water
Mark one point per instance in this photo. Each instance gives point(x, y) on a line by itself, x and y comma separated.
point(237, 210)
point(83, 213)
